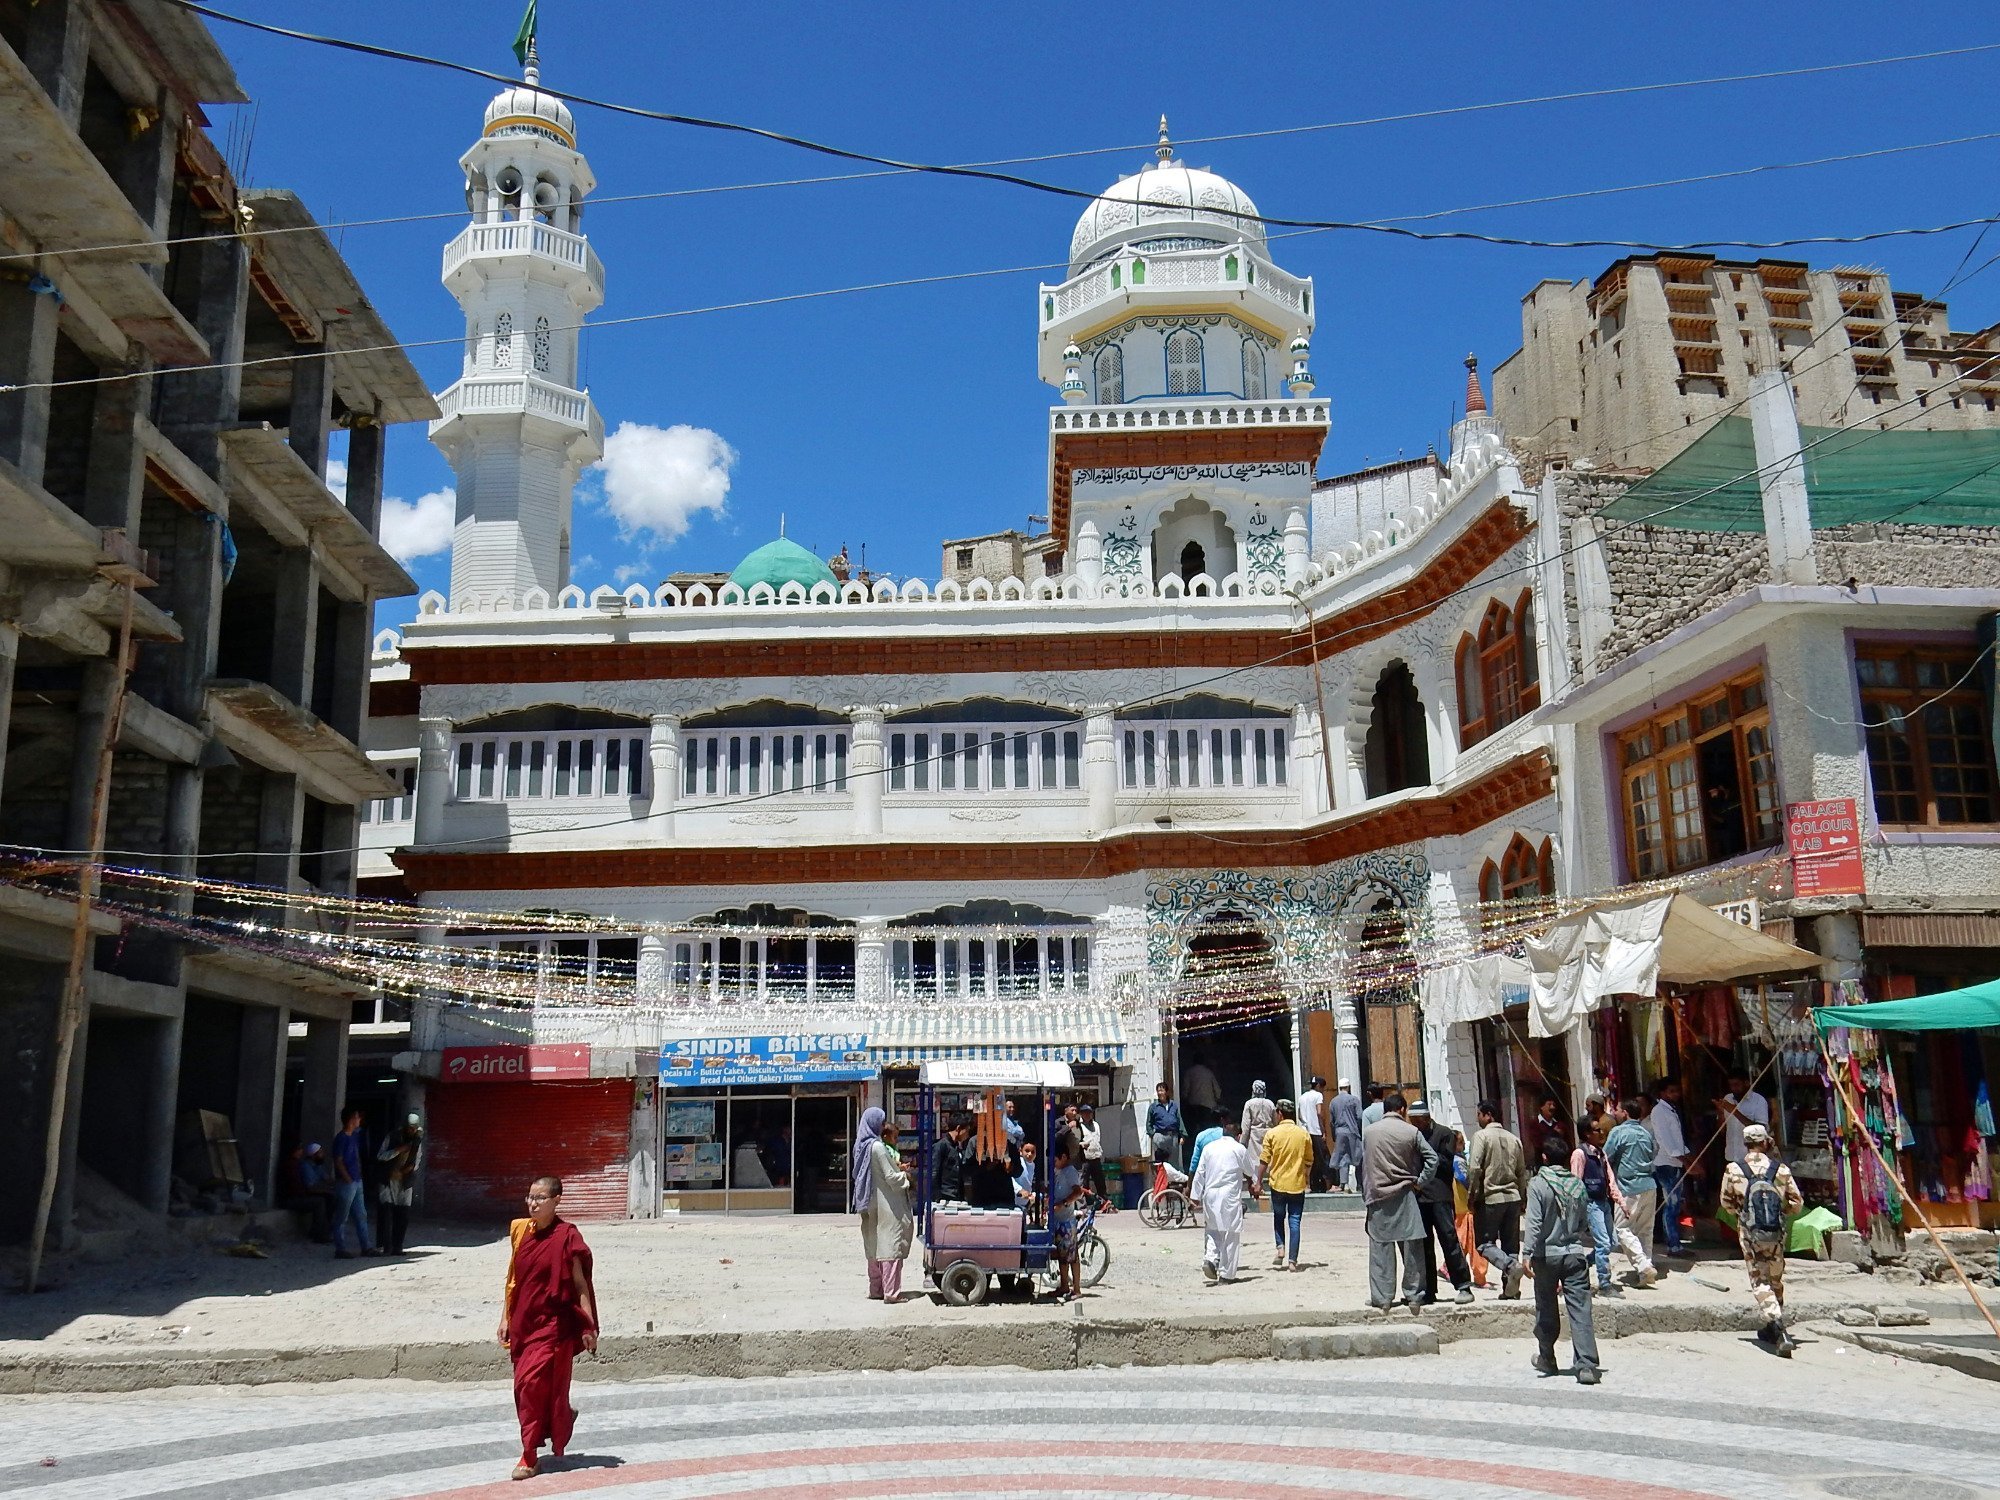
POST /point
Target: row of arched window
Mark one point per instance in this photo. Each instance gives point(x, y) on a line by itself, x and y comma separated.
point(1524, 872)
point(1186, 368)
point(1499, 679)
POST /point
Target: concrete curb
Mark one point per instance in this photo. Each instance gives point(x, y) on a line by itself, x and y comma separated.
point(1051, 1341)
point(1981, 1364)
point(1354, 1343)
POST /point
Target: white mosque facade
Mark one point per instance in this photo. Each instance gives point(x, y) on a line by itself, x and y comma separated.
point(1132, 812)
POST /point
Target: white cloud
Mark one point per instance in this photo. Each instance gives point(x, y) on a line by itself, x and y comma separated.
point(336, 478)
point(419, 528)
point(626, 572)
point(657, 479)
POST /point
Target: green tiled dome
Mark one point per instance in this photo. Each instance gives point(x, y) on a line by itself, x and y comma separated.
point(779, 563)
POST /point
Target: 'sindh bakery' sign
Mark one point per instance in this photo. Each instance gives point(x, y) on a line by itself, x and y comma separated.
point(537, 1062)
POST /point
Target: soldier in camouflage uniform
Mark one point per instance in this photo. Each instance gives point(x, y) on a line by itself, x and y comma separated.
point(1762, 1195)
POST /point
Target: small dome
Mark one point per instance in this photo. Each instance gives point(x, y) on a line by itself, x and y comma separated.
point(1167, 201)
point(779, 563)
point(525, 109)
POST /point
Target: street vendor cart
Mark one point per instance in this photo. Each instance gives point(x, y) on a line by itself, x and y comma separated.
point(966, 1246)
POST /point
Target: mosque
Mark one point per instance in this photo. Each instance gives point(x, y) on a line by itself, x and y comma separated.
point(1132, 797)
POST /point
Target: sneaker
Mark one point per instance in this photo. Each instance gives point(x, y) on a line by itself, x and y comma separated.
point(1543, 1364)
point(1510, 1282)
point(1588, 1375)
point(1209, 1273)
point(1464, 1295)
point(1649, 1277)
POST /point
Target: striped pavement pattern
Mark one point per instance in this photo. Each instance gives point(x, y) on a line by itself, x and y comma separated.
point(1465, 1430)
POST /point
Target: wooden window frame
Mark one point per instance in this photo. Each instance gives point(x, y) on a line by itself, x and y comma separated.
point(1954, 685)
point(1667, 747)
point(1500, 661)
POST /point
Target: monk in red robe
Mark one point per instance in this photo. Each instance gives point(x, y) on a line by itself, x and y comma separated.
point(550, 1312)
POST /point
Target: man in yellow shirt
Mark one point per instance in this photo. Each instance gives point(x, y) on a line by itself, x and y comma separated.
point(1285, 1167)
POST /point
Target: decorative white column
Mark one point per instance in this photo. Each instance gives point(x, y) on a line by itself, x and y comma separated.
point(652, 979)
point(1298, 561)
point(865, 775)
point(1100, 766)
point(1435, 697)
point(871, 960)
point(1089, 557)
point(1308, 762)
point(1347, 1041)
point(433, 778)
point(663, 752)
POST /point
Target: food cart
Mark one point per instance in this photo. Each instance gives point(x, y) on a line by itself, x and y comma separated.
point(964, 1246)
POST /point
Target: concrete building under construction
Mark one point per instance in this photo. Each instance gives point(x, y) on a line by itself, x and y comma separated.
point(1625, 371)
point(185, 609)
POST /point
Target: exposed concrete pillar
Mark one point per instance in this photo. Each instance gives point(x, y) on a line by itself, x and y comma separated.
point(663, 754)
point(115, 474)
point(364, 473)
point(93, 724)
point(10, 652)
point(196, 404)
point(347, 700)
point(56, 49)
point(311, 422)
point(27, 357)
point(1100, 766)
point(341, 848)
point(280, 812)
point(1837, 936)
point(156, 1145)
point(295, 628)
point(260, 1096)
point(1774, 427)
point(326, 1078)
point(865, 773)
point(433, 779)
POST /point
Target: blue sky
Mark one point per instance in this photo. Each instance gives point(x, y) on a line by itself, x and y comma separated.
point(894, 419)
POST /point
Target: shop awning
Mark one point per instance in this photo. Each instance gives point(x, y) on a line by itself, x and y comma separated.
point(1955, 1010)
point(1000, 1030)
point(1627, 947)
point(964, 1073)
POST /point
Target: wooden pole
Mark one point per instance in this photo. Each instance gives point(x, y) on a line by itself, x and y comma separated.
point(70, 1012)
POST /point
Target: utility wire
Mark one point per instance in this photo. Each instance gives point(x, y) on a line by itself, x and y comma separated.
point(1059, 190)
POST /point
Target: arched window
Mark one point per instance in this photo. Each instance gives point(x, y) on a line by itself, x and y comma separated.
point(1193, 562)
point(503, 342)
point(1184, 363)
point(1525, 873)
point(1498, 676)
point(1253, 371)
point(1396, 753)
point(1110, 375)
point(1489, 888)
point(541, 346)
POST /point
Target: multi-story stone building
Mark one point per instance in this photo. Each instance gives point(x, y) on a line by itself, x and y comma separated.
point(174, 356)
point(1128, 807)
point(1625, 371)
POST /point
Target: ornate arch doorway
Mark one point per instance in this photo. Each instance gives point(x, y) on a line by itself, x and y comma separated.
point(1232, 1014)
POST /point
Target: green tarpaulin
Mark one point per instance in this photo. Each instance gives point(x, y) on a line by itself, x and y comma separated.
point(1853, 474)
point(1954, 1010)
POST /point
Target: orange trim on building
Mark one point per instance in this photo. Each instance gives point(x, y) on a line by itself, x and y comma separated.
point(1518, 783)
point(803, 654)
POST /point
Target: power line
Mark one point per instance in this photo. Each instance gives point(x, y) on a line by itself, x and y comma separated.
point(1014, 179)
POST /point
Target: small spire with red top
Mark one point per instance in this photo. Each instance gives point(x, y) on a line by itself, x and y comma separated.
point(1475, 398)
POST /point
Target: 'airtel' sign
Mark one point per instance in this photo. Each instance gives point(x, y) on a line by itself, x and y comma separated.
point(533, 1063)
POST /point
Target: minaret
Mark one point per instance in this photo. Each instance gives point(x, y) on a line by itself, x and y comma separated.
point(517, 426)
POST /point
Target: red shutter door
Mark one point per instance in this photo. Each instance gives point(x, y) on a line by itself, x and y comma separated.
point(488, 1141)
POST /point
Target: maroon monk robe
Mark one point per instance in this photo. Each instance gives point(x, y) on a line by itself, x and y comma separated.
point(546, 1323)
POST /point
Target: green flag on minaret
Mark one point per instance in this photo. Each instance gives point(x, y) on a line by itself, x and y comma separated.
point(525, 37)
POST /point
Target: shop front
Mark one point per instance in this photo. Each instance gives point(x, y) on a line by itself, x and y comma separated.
point(759, 1123)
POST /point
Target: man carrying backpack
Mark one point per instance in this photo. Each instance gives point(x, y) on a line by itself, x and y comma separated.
point(1761, 1193)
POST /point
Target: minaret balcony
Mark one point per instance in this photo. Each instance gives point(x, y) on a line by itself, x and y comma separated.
point(1140, 281)
point(470, 257)
point(519, 396)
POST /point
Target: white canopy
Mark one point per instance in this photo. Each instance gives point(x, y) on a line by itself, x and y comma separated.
point(1627, 947)
point(977, 1073)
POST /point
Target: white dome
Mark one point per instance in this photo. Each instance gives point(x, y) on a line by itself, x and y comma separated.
point(1167, 201)
point(523, 107)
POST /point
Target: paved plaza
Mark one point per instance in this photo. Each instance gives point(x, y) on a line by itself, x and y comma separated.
point(1677, 1416)
point(763, 1295)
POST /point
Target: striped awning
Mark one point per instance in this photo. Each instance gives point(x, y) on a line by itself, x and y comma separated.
point(1011, 1030)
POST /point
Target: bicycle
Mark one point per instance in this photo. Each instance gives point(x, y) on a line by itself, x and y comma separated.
point(1166, 1204)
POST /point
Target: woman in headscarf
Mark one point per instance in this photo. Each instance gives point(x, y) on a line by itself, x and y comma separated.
point(547, 1314)
point(879, 1190)
point(1259, 1115)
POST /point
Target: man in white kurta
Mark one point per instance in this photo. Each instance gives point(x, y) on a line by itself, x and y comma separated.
point(1225, 1174)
